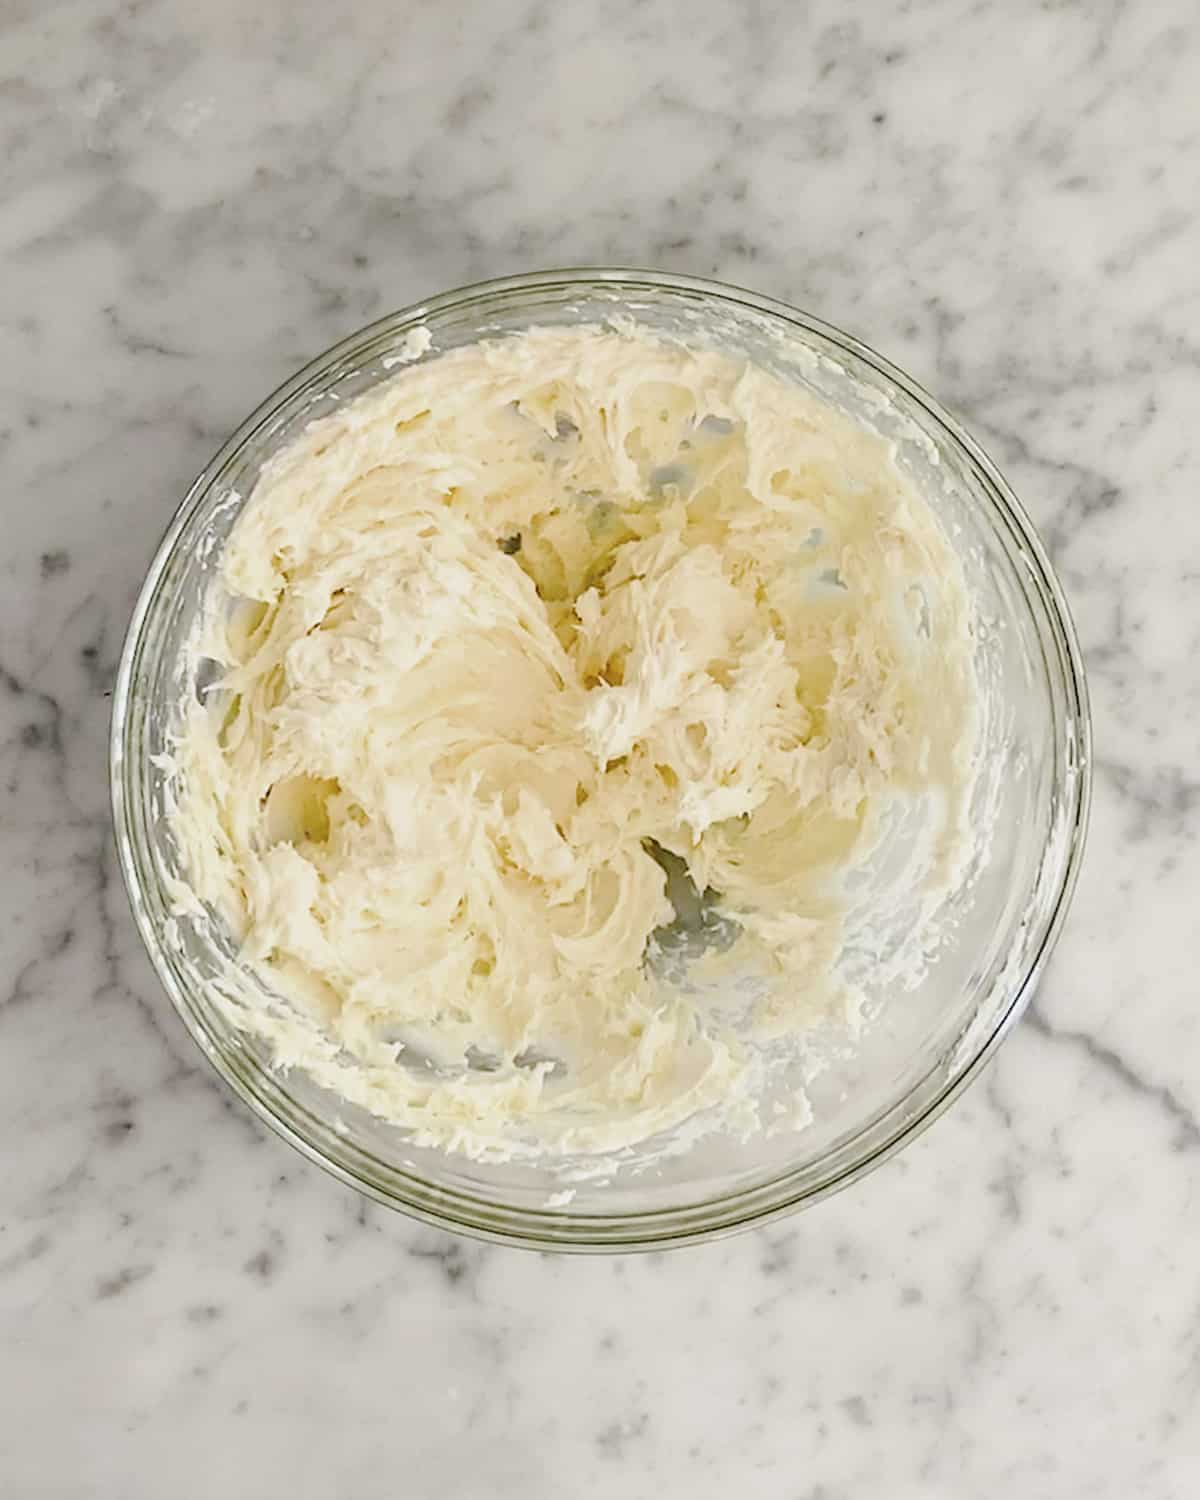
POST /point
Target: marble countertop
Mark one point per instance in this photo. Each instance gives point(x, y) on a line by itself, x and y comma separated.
point(1004, 199)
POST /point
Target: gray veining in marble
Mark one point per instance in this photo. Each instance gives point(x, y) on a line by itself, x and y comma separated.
point(195, 198)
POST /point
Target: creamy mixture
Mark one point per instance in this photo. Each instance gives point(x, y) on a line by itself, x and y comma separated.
point(524, 663)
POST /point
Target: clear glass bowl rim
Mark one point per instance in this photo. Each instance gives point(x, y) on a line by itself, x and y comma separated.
point(562, 1229)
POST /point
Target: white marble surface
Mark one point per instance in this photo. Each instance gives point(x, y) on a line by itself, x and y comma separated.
point(1004, 198)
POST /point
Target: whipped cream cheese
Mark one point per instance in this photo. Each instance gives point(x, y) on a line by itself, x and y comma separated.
point(514, 645)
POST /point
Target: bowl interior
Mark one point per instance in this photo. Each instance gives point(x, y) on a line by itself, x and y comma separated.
point(1030, 797)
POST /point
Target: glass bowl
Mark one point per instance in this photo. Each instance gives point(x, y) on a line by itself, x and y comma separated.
point(923, 1047)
